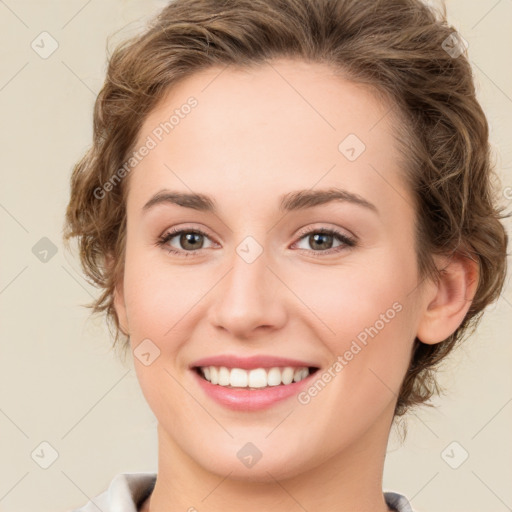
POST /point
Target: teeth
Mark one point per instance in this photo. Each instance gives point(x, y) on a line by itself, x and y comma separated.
point(299, 374)
point(274, 377)
point(223, 376)
point(237, 378)
point(257, 378)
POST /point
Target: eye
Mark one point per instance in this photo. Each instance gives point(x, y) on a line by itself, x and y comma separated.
point(322, 240)
point(190, 240)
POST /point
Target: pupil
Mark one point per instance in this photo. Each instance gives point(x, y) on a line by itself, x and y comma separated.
point(188, 238)
point(321, 235)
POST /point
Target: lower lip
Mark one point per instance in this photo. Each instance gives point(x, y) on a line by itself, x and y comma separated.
point(244, 399)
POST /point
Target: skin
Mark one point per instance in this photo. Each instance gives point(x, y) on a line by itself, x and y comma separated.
point(252, 138)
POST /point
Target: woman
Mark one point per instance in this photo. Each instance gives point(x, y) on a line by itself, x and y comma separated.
point(232, 141)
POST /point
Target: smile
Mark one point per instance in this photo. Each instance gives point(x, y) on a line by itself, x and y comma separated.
point(256, 378)
point(252, 383)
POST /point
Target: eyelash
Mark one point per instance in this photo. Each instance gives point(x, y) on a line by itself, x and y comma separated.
point(347, 241)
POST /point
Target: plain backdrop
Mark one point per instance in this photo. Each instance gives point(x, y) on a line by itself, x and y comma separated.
point(67, 403)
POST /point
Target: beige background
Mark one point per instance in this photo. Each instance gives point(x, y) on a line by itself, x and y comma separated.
point(59, 381)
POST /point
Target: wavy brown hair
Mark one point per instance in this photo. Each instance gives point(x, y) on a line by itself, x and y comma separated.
point(398, 48)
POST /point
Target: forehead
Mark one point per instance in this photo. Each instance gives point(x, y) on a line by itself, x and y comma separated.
point(274, 127)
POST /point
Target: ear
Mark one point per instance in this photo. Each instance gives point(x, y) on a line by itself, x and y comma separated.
point(448, 301)
point(119, 302)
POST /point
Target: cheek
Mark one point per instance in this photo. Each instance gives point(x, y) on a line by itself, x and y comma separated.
point(365, 314)
point(157, 295)
point(356, 294)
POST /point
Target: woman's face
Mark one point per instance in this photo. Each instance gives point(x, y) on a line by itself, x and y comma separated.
point(263, 145)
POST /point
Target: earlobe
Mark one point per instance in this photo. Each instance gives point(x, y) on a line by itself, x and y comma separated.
point(444, 309)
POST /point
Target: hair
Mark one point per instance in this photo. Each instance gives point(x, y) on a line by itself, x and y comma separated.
point(398, 48)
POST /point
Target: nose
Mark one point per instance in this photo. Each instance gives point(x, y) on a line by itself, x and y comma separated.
point(249, 299)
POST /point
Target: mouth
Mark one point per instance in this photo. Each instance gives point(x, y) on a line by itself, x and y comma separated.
point(252, 383)
point(256, 378)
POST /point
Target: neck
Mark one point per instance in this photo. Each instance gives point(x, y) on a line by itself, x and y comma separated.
point(349, 480)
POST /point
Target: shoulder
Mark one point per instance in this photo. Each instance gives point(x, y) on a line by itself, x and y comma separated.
point(125, 492)
point(397, 502)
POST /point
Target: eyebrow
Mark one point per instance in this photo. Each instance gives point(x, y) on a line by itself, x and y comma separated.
point(292, 201)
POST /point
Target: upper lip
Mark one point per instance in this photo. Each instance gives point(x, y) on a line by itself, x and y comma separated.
point(248, 363)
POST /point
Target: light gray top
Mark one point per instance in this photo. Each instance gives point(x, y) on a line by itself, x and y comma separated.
point(128, 491)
